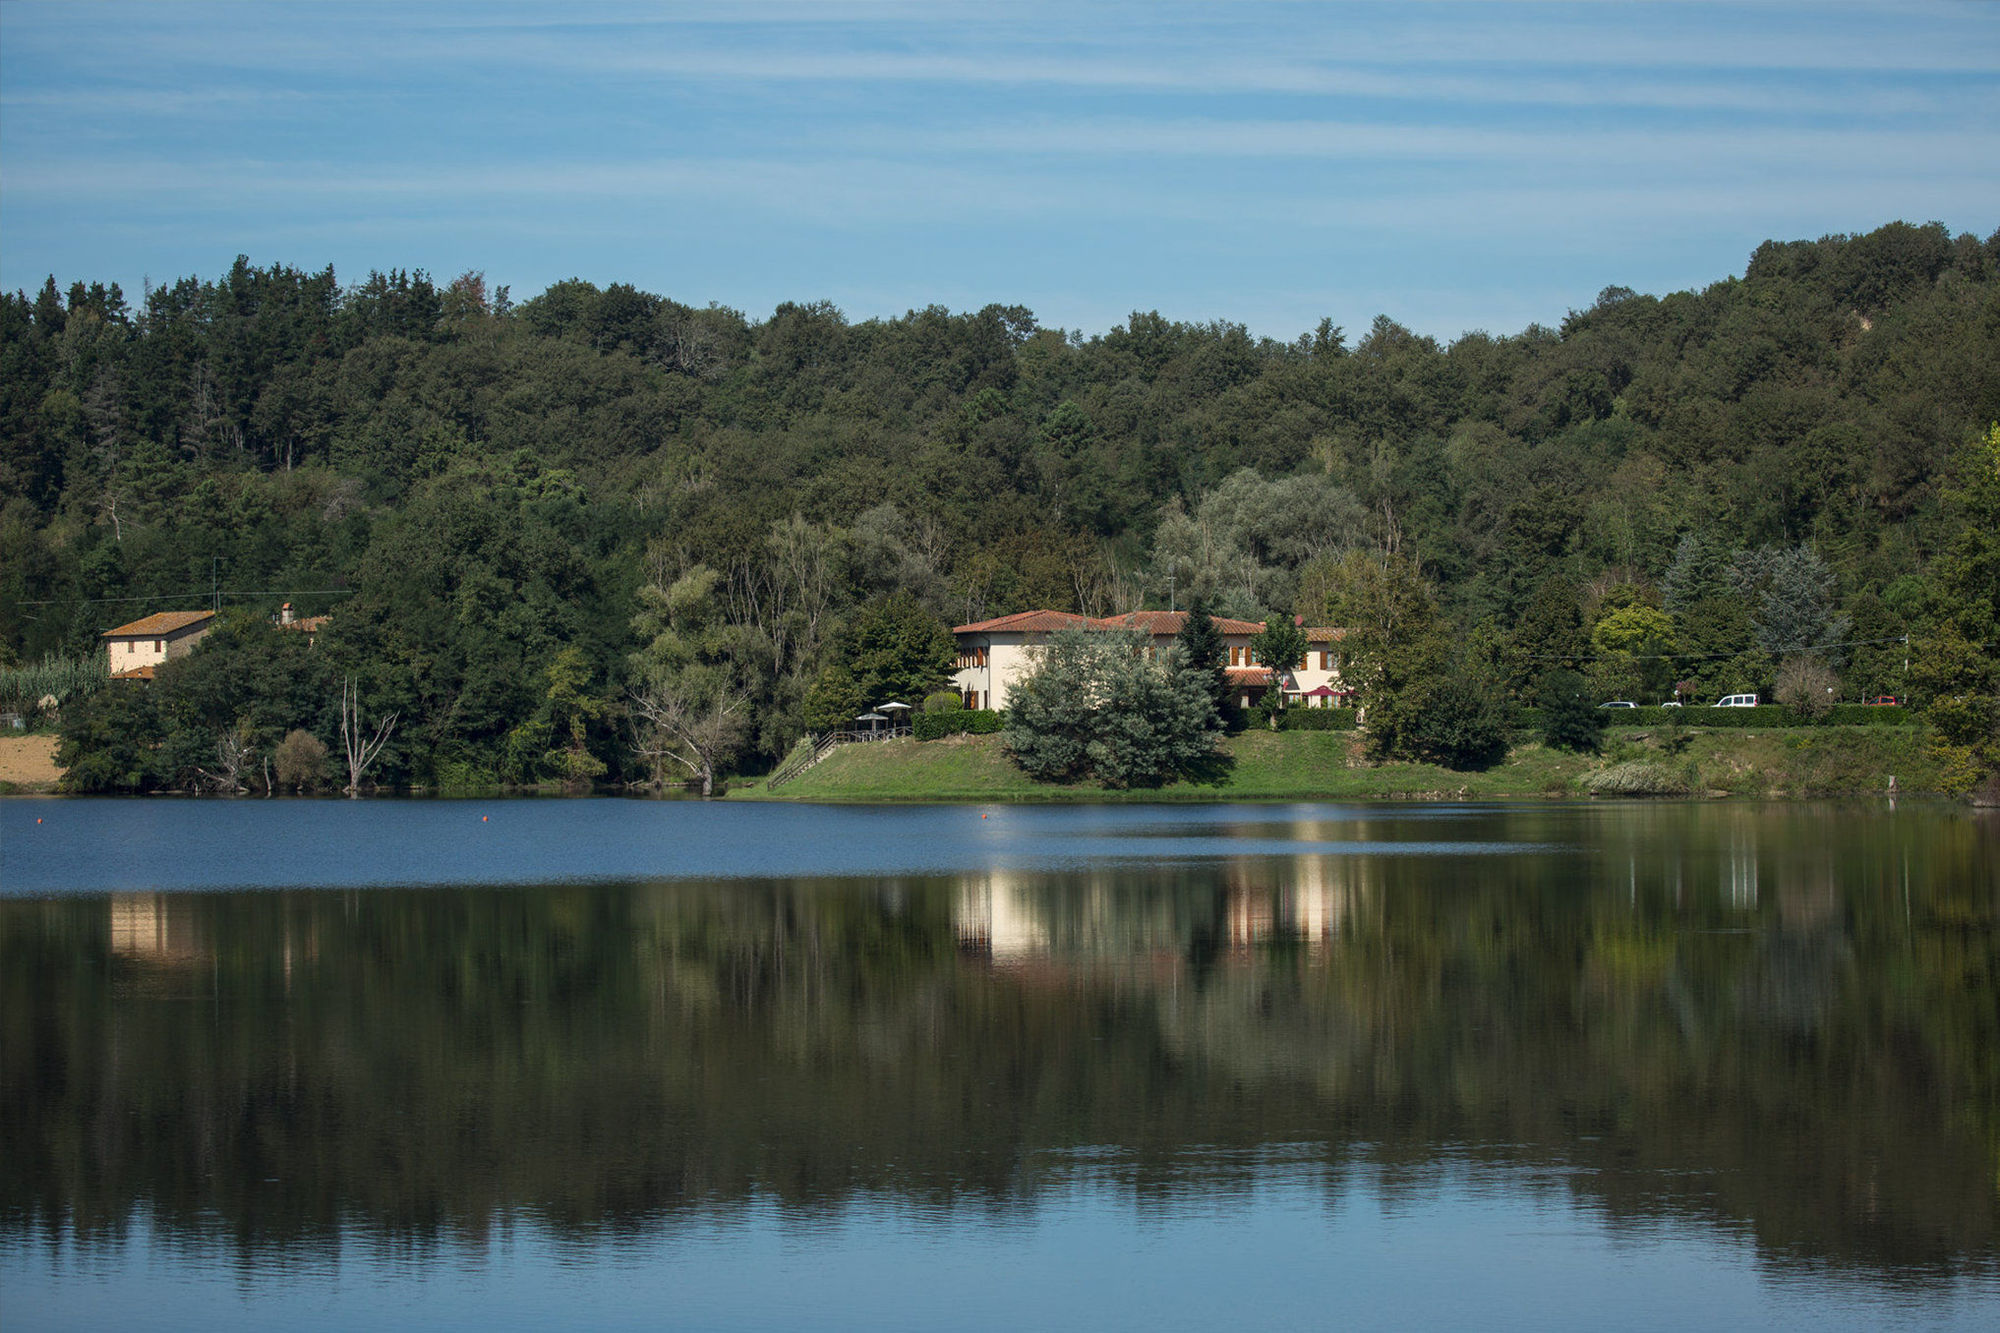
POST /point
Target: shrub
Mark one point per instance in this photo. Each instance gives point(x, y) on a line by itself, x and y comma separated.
point(1761, 718)
point(1317, 719)
point(943, 701)
point(300, 760)
point(966, 721)
point(1636, 778)
point(1456, 722)
point(1806, 685)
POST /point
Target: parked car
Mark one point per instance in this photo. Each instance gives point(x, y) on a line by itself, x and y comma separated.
point(1619, 703)
point(1737, 701)
point(1671, 703)
point(1884, 701)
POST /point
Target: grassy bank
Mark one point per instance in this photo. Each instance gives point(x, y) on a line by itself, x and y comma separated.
point(1298, 765)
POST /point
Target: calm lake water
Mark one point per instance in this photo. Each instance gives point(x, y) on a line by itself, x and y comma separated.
point(521, 1063)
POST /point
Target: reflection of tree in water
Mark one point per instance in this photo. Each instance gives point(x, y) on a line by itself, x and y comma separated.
point(1819, 1063)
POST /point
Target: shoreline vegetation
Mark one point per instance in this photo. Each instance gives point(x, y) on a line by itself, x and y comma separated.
point(1777, 762)
point(1827, 761)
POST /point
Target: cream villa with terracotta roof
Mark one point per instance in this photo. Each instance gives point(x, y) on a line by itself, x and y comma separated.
point(993, 654)
point(135, 649)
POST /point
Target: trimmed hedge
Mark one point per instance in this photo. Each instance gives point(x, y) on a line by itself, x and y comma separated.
point(975, 721)
point(1764, 715)
point(1317, 719)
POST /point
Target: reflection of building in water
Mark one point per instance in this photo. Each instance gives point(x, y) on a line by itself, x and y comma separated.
point(1106, 916)
point(154, 925)
point(1740, 873)
point(1010, 916)
point(996, 916)
point(1312, 899)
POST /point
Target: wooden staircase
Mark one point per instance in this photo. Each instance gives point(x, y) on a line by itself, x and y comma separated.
point(807, 757)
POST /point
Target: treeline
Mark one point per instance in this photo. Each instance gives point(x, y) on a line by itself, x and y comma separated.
point(521, 514)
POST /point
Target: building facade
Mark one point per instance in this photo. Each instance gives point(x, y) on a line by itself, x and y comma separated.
point(993, 654)
point(134, 650)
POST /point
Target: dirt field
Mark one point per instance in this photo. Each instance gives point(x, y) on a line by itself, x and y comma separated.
point(29, 761)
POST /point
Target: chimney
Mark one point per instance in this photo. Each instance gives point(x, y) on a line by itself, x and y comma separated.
point(285, 614)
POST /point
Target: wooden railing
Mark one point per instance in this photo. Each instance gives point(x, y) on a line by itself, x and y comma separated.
point(820, 746)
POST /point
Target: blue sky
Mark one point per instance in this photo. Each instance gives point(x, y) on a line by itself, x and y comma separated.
point(1455, 166)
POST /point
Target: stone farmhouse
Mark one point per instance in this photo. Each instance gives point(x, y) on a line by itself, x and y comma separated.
point(134, 650)
point(993, 654)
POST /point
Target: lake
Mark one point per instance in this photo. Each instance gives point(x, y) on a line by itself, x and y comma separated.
point(515, 1063)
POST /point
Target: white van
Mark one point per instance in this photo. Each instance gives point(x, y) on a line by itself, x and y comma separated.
point(1737, 701)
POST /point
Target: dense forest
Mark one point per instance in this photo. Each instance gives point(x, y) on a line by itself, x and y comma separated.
point(520, 514)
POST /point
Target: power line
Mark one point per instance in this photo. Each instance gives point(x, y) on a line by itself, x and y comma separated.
point(1702, 657)
point(197, 596)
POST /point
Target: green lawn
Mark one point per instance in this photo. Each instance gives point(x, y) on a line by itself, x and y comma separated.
point(1298, 765)
point(1307, 765)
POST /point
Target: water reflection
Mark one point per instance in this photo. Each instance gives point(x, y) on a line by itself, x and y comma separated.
point(156, 926)
point(1780, 1025)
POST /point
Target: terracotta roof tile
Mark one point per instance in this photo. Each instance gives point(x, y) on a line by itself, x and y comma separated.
point(160, 622)
point(1248, 675)
point(1026, 622)
point(1159, 624)
point(135, 673)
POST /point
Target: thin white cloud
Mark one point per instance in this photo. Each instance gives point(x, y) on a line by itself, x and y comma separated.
point(857, 191)
point(1150, 48)
point(1700, 151)
point(97, 102)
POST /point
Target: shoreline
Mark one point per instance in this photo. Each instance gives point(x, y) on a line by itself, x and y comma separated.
point(1828, 762)
point(1848, 763)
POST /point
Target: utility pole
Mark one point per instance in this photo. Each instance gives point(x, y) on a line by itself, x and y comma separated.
point(214, 588)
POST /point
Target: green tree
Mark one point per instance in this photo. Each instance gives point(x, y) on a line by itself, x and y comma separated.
point(1795, 611)
point(897, 650)
point(1395, 650)
point(687, 699)
point(1205, 650)
point(1281, 647)
point(1550, 634)
point(1635, 645)
point(1954, 667)
point(569, 708)
point(109, 741)
point(1571, 720)
point(1097, 705)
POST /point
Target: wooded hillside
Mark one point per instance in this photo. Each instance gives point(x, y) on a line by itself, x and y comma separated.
point(516, 512)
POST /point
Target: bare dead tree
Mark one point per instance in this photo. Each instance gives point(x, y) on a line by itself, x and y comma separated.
point(696, 734)
point(234, 752)
point(361, 752)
